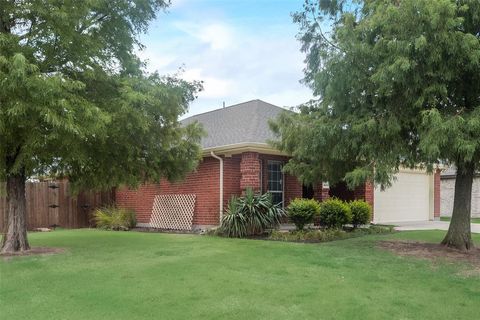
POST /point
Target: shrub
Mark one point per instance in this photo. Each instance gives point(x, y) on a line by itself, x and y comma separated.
point(361, 212)
point(112, 218)
point(250, 215)
point(334, 213)
point(302, 211)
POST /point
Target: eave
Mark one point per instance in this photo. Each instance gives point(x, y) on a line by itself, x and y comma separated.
point(238, 148)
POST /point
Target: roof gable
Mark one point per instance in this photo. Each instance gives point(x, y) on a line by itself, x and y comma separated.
point(237, 124)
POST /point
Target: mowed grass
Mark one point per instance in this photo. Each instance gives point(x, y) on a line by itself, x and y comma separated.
point(131, 275)
point(473, 220)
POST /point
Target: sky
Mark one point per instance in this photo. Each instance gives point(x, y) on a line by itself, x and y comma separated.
point(241, 49)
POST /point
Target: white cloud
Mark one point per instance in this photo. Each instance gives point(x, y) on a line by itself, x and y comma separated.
point(212, 87)
point(217, 35)
point(236, 61)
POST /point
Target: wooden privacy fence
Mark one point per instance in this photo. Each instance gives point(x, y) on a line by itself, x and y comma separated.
point(50, 203)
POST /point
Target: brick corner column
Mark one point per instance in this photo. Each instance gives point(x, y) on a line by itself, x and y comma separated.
point(250, 171)
point(322, 192)
point(366, 192)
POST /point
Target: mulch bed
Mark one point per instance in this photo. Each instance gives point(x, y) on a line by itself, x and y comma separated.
point(436, 253)
point(35, 251)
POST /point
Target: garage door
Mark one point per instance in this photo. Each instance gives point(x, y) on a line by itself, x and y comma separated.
point(408, 199)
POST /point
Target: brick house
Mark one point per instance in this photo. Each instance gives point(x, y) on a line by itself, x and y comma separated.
point(236, 156)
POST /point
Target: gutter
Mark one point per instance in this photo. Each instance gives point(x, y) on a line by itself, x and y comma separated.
point(237, 148)
point(221, 184)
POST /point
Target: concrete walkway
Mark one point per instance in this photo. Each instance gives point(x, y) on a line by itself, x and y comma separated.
point(429, 225)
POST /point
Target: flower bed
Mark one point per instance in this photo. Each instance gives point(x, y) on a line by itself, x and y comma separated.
point(325, 235)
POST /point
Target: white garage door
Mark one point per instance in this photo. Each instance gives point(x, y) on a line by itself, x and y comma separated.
point(409, 199)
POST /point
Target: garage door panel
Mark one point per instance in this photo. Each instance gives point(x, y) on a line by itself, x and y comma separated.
point(407, 199)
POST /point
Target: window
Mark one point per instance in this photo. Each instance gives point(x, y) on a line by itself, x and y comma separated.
point(275, 181)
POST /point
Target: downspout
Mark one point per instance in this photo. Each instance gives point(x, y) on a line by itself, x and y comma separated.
point(221, 184)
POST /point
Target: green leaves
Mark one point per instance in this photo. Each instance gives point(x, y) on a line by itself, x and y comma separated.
point(302, 211)
point(455, 136)
point(398, 84)
point(250, 214)
point(75, 101)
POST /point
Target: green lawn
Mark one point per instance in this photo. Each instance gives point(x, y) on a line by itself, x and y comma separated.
point(474, 220)
point(130, 275)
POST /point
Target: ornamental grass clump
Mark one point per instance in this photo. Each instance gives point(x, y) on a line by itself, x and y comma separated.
point(113, 218)
point(302, 212)
point(251, 214)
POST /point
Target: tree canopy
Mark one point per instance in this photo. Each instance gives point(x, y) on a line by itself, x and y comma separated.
point(76, 101)
point(397, 85)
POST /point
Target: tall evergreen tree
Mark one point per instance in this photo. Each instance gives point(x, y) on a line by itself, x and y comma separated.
point(398, 85)
point(75, 101)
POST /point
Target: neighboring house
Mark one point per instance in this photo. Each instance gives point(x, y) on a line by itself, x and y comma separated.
point(236, 156)
point(447, 192)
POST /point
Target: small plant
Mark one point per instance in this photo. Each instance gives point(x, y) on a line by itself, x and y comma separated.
point(327, 234)
point(380, 229)
point(113, 218)
point(250, 215)
point(234, 223)
point(335, 213)
point(361, 212)
point(302, 212)
point(310, 235)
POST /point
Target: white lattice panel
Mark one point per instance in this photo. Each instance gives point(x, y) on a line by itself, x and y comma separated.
point(173, 211)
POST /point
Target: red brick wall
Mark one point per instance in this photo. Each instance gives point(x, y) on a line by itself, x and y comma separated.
point(366, 193)
point(436, 194)
point(140, 200)
point(240, 171)
point(321, 193)
point(231, 178)
point(293, 188)
point(250, 171)
point(204, 182)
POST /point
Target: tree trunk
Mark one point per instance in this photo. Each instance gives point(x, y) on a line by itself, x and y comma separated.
point(15, 230)
point(459, 233)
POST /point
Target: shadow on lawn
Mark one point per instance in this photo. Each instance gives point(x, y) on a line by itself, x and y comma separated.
point(436, 253)
point(35, 251)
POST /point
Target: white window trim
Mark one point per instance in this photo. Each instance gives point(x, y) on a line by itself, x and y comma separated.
point(283, 180)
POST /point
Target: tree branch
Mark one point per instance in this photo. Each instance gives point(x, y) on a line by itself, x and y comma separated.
point(95, 20)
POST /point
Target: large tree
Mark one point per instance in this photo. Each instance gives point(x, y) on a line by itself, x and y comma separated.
point(398, 85)
point(75, 101)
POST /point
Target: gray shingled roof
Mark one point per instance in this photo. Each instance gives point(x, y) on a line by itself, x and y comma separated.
point(240, 123)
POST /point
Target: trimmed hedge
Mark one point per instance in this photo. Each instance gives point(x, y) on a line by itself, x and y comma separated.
point(302, 211)
point(361, 213)
point(335, 213)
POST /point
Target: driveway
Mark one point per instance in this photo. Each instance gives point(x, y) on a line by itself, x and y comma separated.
point(429, 225)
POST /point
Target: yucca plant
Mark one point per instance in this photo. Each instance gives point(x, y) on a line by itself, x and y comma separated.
point(251, 214)
point(234, 221)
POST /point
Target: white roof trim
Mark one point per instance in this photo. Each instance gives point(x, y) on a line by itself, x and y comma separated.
point(238, 148)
